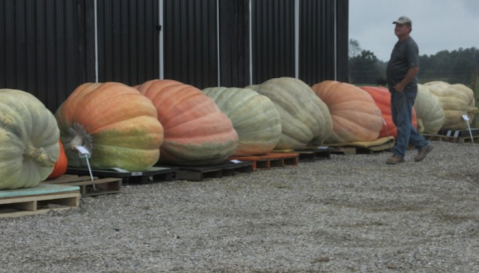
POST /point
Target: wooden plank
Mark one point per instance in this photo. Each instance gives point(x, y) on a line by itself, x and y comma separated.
point(88, 187)
point(38, 200)
point(270, 160)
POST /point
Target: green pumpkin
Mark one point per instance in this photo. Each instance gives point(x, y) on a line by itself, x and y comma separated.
point(28, 140)
point(305, 118)
point(254, 118)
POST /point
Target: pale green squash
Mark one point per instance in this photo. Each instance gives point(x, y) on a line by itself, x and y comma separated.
point(28, 140)
point(305, 118)
point(254, 118)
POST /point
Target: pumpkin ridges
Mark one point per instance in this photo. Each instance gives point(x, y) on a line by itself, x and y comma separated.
point(106, 118)
point(254, 117)
point(187, 113)
point(337, 96)
point(139, 132)
point(120, 113)
point(97, 114)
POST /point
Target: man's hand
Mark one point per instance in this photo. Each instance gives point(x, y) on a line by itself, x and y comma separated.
point(411, 74)
point(399, 87)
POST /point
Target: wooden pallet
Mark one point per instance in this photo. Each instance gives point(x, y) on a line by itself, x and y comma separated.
point(153, 174)
point(453, 139)
point(98, 186)
point(199, 173)
point(314, 154)
point(38, 200)
point(459, 133)
point(354, 148)
point(269, 160)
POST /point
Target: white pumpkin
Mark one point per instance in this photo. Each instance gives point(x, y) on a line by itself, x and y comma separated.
point(429, 114)
point(456, 100)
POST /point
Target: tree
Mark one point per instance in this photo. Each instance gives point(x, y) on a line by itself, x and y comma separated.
point(364, 68)
point(354, 48)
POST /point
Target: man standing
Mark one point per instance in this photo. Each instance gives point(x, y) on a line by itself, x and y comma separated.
point(402, 70)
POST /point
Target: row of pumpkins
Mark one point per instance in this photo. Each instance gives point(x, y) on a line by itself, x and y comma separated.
point(130, 127)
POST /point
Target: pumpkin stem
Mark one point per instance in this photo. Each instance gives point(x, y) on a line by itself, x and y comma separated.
point(80, 137)
point(39, 155)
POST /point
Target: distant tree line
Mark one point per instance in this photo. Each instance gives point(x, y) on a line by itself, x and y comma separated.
point(457, 66)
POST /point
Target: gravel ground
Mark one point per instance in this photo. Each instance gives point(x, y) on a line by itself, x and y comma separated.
point(351, 213)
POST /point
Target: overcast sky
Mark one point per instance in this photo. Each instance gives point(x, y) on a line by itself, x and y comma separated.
point(437, 24)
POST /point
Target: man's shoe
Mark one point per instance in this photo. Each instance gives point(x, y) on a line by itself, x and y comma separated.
point(422, 153)
point(395, 159)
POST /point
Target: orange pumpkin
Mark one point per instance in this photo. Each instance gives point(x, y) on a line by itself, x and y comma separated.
point(114, 122)
point(196, 131)
point(382, 98)
point(61, 165)
point(354, 113)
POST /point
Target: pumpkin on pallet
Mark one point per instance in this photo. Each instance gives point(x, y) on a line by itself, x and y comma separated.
point(456, 100)
point(254, 118)
point(305, 119)
point(356, 118)
point(114, 122)
point(382, 98)
point(430, 116)
point(196, 131)
point(28, 140)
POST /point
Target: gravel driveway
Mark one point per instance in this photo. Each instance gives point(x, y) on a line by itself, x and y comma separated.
point(350, 213)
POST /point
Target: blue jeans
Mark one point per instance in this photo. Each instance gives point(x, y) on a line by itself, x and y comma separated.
point(401, 107)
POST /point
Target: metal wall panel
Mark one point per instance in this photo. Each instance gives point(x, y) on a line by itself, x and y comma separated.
point(128, 44)
point(234, 43)
point(317, 40)
point(191, 44)
point(273, 39)
point(43, 49)
point(48, 47)
point(342, 22)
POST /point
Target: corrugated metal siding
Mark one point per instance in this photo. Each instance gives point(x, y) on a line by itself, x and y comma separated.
point(128, 44)
point(47, 47)
point(234, 43)
point(343, 40)
point(42, 47)
point(273, 39)
point(191, 42)
point(317, 59)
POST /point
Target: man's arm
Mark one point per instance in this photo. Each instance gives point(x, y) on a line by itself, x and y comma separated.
point(411, 74)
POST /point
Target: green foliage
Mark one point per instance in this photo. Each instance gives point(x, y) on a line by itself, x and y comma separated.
point(364, 67)
point(453, 67)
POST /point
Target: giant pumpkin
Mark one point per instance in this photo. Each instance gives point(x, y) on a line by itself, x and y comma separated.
point(305, 119)
point(354, 112)
point(456, 100)
point(114, 122)
point(28, 140)
point(382, 98)
point(254, 118)
point(196, 131)
point(430, 115)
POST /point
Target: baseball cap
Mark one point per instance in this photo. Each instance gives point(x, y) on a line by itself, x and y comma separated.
point(403, 20)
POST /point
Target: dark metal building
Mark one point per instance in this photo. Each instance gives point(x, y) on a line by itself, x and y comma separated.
point(49, 47)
